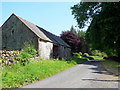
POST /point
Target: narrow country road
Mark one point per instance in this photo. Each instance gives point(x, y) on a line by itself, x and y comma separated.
point(86, 75)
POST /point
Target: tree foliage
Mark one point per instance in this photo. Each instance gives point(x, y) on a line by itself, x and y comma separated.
point(81, 33)
point(84, 12)
point(73, 40)
point(72, 29)
point(76, 42)
point(104, 30)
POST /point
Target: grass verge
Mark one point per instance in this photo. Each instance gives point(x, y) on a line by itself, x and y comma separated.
point(97, 57)
point(111, 66)
point(76, 60)
point(17, 75)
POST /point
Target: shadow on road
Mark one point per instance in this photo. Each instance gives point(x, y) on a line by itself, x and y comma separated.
point(102, 80)
point(98, 69)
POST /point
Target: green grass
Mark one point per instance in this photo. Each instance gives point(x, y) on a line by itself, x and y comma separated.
point(0, 78)
point(77, 60)
point(88, 58)
point(18, 75)
point(96, 57)
point(111, 65)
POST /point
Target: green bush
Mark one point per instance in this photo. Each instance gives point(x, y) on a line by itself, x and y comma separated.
point(24, 54)
point(22, 61)
point(86, 54)
point(27, 52)
point(29, 49)
point(76, 55)
point(104, 54)
point(94, 52)
point(80, 53)
point(23, 58)
point(98, 53)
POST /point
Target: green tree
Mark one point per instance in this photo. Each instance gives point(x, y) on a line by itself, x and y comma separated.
point(104, 30)
point(73, 30)
point(81, 33)
point(83, 47)
point(84, 12)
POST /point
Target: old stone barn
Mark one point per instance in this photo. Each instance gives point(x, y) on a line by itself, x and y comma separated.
point(16, 31)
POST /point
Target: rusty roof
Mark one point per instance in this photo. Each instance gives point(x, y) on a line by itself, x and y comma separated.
point(42, 33)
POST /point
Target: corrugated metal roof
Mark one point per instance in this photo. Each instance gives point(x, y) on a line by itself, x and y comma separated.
point(43, 34)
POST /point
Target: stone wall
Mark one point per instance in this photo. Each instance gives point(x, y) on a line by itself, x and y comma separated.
point(45, 49)
point(61, 52)
point(67, 52)
point(64, 52)
point(15, 33)
point(8, 57)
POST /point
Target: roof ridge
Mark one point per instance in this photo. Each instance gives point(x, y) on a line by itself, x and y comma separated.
point(25, 19)
point(33, 28)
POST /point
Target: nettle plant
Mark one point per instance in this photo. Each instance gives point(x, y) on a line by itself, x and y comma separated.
point(26, 53)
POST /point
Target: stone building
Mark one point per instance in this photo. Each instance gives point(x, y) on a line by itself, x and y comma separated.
point(16, 31)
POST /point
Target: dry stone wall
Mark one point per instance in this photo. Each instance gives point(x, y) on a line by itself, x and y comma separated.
point(8, 57)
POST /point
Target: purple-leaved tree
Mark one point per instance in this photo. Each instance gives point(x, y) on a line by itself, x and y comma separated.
point(73, 40)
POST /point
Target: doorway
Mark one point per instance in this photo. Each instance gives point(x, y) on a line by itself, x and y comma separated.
point(55, 51)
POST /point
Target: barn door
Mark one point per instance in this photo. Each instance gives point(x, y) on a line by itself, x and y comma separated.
point(55, 51)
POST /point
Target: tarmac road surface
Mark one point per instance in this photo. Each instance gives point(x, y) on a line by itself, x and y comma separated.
point(85, 75)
